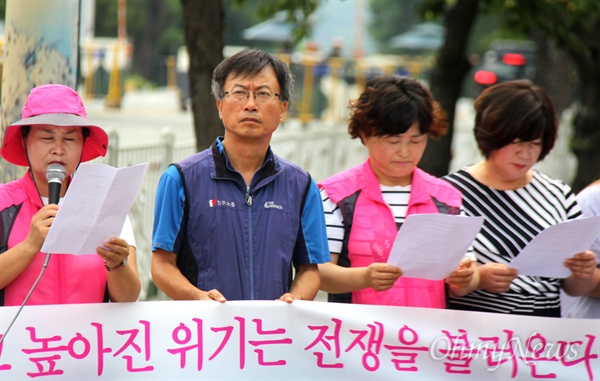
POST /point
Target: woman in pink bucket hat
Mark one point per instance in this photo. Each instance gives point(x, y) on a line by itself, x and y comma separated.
point(53, 132)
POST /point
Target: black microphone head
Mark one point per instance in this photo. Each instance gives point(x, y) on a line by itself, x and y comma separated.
point(55, 173)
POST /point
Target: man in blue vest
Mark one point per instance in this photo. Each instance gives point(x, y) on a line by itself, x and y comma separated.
point(235, 221)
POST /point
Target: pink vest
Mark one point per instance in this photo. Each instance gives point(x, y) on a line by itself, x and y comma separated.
point(67, 278)
point(374, 230)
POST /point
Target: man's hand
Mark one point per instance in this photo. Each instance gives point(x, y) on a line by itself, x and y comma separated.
point(287, 297)
point(213, 295)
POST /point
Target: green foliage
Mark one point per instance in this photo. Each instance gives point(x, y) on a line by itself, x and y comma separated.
point(564, 21)
point(489, 28)
point(239, 15)
point(105, 18)
point(298, 13)
point(432, 9)
point(137, 82)
point(392, 17)
point(170, 40)
point(561, 20)
point(389, 19)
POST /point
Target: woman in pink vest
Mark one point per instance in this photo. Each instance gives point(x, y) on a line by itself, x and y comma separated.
point(54, 133)
point(366, 205)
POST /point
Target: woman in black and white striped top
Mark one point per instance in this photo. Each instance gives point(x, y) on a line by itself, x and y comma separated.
point(515, 127)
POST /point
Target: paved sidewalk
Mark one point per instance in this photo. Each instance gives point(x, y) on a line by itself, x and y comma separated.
point(143, 114)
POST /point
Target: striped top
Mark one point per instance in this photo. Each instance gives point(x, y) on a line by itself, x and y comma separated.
point(512, 219)
point(396, 197)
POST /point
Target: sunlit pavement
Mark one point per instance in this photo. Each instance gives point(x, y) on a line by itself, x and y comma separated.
point(142, 115)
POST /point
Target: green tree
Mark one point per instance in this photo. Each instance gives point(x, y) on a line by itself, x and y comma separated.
point(204, 26)
point(105, 18)
point(155, 28)
point(574, 25)
point(469, 33)
point(239, 17)
point(448, 74)
point(389, 19)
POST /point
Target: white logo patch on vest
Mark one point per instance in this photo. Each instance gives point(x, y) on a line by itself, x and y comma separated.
point(271, 204)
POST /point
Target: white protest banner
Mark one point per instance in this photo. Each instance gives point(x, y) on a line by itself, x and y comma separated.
point(272, 340)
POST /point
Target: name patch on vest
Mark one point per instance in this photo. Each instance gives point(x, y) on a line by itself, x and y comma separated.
point(212, 203)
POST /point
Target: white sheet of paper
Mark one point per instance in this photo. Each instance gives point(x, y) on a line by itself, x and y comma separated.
point(430, 246)
point(545, 254)
point(94, 208)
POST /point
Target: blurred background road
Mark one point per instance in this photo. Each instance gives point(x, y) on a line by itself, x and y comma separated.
point(142, 116)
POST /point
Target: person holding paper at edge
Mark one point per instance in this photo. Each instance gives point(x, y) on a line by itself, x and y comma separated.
point(515, 127)
point(588, 306)
point(365, 205)
point(231, 221)
point(54, 132)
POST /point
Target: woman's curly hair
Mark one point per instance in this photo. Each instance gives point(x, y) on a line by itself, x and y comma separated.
point(391, 104)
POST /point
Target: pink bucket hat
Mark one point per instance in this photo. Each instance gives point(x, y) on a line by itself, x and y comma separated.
point(55, 105)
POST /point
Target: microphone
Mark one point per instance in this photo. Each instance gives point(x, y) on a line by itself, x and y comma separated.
point(55, 174)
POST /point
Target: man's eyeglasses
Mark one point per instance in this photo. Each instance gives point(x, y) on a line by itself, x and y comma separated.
point(261, 96)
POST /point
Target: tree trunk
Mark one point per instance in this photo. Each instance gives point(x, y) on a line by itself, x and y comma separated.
point(586, 126)
point(204, 24)
point(446, 81)
point(554, 71)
